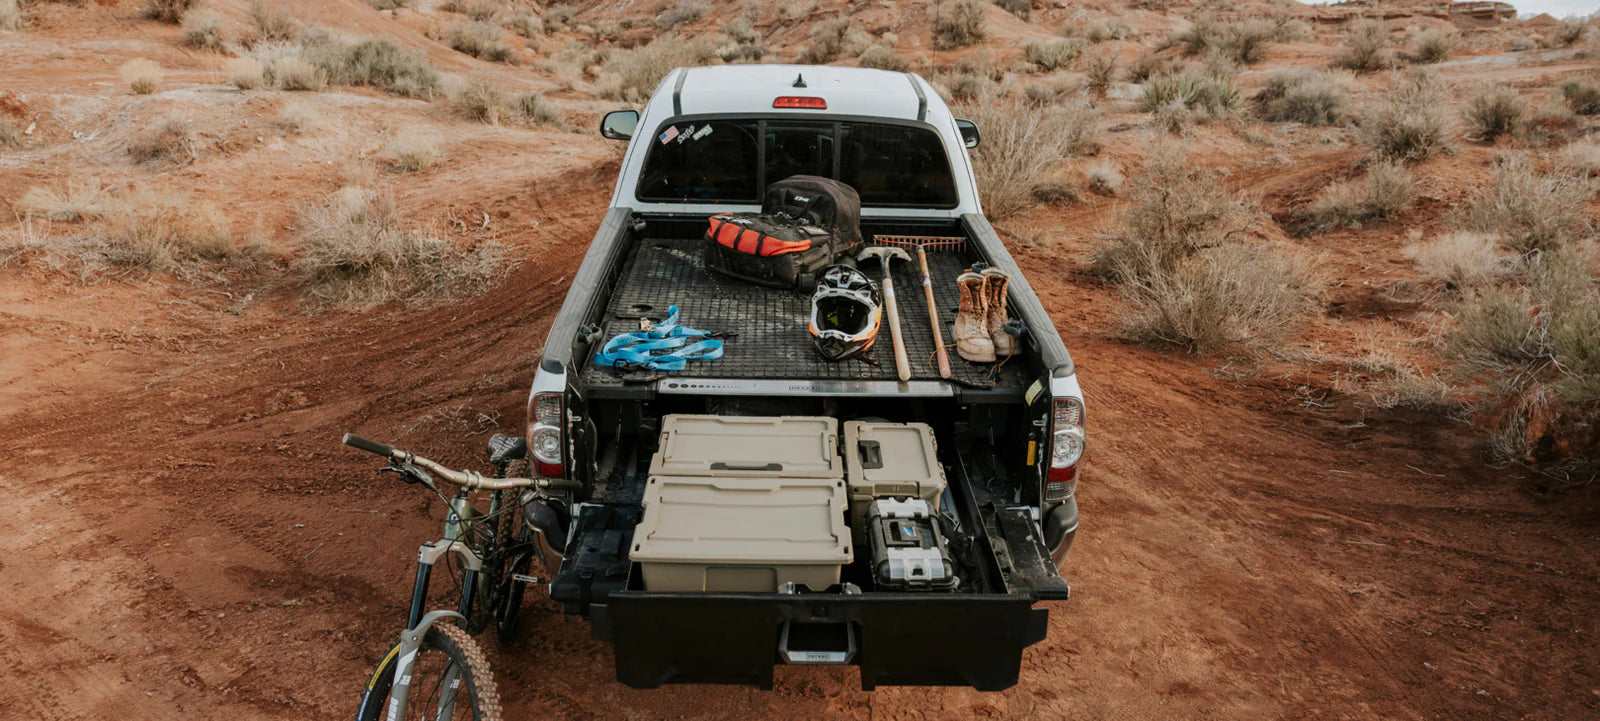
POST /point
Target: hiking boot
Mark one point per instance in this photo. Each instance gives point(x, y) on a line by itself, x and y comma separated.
point(995, 284)
point(971, 330)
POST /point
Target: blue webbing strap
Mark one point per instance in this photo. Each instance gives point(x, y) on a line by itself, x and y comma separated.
point(666, 346)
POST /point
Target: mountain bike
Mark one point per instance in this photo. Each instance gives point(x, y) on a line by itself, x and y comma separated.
point(436, 661)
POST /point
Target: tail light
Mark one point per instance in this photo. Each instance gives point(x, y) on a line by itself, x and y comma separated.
point(794, 101)
point(1066, 448)
point(544, 435)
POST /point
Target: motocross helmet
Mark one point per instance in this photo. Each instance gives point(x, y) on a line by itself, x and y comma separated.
point(845, 310)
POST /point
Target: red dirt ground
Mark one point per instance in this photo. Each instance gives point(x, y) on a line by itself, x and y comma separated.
point(190, 541)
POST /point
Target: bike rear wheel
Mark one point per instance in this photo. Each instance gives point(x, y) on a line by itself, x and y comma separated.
point(450, 675)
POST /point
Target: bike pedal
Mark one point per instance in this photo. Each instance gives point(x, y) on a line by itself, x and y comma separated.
point(519, 578)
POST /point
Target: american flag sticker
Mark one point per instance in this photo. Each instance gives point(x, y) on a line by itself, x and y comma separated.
point(666, 137)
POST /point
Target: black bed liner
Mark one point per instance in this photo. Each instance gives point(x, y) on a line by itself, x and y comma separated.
point(772, 341)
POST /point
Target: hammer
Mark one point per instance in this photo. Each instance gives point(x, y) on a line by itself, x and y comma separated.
point(884, 256)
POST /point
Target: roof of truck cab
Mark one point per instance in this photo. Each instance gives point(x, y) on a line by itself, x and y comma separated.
point(723, 89)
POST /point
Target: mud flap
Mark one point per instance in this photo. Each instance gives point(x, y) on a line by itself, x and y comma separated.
point(898, 639)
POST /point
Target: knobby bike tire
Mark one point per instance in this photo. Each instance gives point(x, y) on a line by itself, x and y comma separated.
point(509, 613)
point(476, 676)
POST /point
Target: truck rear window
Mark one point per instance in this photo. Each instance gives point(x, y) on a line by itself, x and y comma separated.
point(731, 161)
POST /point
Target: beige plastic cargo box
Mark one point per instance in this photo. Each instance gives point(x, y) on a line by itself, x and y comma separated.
point(741, 534)
point(890, 460)
point(748, 447)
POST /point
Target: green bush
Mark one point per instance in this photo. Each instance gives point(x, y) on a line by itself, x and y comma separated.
point(1494, 112)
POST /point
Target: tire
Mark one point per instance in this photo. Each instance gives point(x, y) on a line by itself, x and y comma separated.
point(510, 608)
point(447, 643)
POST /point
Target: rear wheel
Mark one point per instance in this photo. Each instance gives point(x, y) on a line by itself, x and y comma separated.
point(510, 607)
point(450, 679)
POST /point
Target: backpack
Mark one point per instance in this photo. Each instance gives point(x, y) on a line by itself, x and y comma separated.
point(806, 223)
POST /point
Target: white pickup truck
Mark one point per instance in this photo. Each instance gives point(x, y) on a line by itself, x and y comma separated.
point(687, 595)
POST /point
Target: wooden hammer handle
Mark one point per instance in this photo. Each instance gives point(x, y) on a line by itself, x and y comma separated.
point(933, 315)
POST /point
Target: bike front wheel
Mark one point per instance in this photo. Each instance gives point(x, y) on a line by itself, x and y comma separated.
point(450, 679)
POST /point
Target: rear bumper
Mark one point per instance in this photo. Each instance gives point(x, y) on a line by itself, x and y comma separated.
point(1060, 526)
point(923, 639)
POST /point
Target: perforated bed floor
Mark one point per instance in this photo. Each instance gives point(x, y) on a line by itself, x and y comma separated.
point(772, 340)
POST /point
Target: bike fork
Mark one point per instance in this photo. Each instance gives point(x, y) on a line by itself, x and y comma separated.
point(410, 645)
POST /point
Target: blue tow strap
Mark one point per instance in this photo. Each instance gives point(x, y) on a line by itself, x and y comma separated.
point(665, 346)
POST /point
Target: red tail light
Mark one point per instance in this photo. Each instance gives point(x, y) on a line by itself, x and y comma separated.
point(546, 447)
point(1066, 448)
point(795, 101)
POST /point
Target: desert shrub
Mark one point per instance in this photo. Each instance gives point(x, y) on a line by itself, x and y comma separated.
point(1286, 29)
point(245, 73)
point(480, 99)
point(534, 108)
point(375, 62)
point(1499, 330)
point(1150, 65)
point(202, 29)
point(1530, 211)
point(965, 87)
point(1208, 94)
point(559, 15)
point(11, 17)
point(1303, 96)
point(296, 118)
point(1020, 8)
point(355, 250)
point(1582, 156)
point(1056, 193)
point(957, 23)
point(827, 40)
point(1366, 49)
point(682, 13)
point(411, 151)
point(1241, 42)
point(1103, 177)
point(1391, 383)
point(1022, 148)
point(1175, 212)
point(485, 11)
point(1460, 259)
point(1433, 46)
point(1233, 293)
point(526, 24)
point(167, 11)
point(1098, 68)
point(1386, 191)
point(1567, 33)
point(388, 4)
point(883, 57)
point(1100, 30)
point(141, 229)
point(480, 40)
point(1582, 96)
point(291, 72)
point(631, 75)
point(171, 141)
point(1050, 55)
point(272, 22)
point(741, 43)
point(1494, 112)
point(1409, 124)
point(74, 202)
point(11, 133)
point(142, 76)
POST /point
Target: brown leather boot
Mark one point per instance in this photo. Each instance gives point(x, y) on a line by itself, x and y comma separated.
point(995, 284)
point(971, 329)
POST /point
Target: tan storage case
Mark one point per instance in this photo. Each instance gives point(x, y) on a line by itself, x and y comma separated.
point(741, 534)
point(748, 447)
point(884, 460)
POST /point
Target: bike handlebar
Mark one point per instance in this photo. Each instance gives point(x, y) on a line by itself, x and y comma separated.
point(465, 479)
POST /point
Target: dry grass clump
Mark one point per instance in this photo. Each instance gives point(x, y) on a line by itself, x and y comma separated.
point(1022, 148)
point(1100, 30)
point(271, 22)
point(296, 118)
point(245, 73)
point(883, 57)
point(744, 44)
point(632, 75)
point(388, 4)
point(74, 202)
point(156, 231)
point(1387, 191)
point(1366, 49)
point(202, 29)
point(320, 58)
point(1234, 293)
point(172, 141)
point(1582, 156)
point(1529, 210)
point(1461, 259)
point(829, 40)
point(1020, 8)
point(1051, 55)
point(1103, 177)
point(355, 250)
point(1098, 68)
point(534, 108)
point(1433, 46)
point(480, 40)
point(1243, 42)
point(1205, 95)
point(142, 76)
point(1568, 33)
point(1494, 112)
point(411, 151)
point(1410, 124)
point(11, 17)
point(526, 24)
point(1303, 96)
point(167, 11)
point(291, 72)
point(11, 133)
point(1391, 383)
point(480, 99)
point(1582, 96)
point(1149, 65)
point(957, 23)
point(1175, 212)
point(682, 13)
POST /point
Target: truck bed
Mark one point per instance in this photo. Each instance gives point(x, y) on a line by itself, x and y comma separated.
point(772, 341)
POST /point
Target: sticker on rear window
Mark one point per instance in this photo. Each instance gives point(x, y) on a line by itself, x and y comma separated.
point(685, 135)
point(702, 132)
point(669, 134)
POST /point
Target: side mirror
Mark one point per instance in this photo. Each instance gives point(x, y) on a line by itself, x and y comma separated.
point(619, 124)
point(969, 132)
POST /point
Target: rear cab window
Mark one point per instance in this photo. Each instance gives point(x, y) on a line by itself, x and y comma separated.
point(733, 160)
